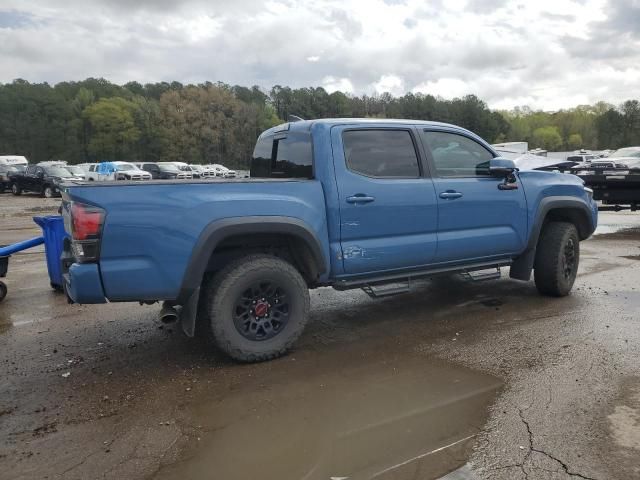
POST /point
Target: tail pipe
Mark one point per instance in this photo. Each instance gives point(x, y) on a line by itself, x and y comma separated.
point(168, 314)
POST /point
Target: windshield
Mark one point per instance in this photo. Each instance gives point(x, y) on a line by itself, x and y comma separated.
point(75, 170)
point(168, 168)
point(626, 152)
point(57, 172)
point(123, 167)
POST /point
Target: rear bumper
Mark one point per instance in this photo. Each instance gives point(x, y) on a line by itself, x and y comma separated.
point(82, 283)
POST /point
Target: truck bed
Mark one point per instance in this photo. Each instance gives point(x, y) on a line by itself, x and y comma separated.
point(152, 227)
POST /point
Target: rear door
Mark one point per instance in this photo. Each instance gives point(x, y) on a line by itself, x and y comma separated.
point(388, 208)
point(476, 219)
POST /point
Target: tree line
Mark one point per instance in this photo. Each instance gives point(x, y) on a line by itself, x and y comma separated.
point(96, 120)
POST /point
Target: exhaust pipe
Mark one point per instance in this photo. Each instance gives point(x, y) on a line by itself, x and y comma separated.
point(168, 314)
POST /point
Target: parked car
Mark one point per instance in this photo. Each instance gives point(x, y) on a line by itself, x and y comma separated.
point(185, 167)
point(6, 172)
point(109, 171)
point(627, 152)
point(582, 157)
point(222, 171)
point(163, 171)
point(42, 179)
point(76, 171)
point(346, 203)
point(204, 171)
point(615, 180)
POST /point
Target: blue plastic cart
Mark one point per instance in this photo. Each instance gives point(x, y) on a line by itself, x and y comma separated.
point(53, 239)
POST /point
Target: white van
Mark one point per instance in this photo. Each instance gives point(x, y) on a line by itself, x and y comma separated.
point(13, 160)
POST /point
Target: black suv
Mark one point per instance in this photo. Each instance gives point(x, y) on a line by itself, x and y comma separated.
point(44, 180)
point(161, 172)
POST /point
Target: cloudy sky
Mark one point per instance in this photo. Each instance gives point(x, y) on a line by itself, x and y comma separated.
point(547, 54)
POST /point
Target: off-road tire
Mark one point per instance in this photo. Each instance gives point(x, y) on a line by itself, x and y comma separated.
point(15, 189)
point(551, 264)
point(222, 291)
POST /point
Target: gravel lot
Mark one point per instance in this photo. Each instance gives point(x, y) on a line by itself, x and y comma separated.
point(489, 375)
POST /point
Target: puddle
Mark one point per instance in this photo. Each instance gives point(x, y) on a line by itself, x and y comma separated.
point(624, 422)
point(407, 418)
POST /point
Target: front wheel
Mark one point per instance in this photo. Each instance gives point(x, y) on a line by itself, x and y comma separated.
point(15, 189)
point(3, 291)
point(47, 192)
point(557, 259)
point(258, 306)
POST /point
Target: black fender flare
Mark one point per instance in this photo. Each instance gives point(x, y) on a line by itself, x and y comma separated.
point(523, 265)
point(217, 231)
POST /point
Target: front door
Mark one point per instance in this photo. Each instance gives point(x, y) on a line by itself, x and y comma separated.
point(476, 219)
point(388, 208)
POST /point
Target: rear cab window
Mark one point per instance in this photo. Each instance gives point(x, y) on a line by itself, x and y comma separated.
point(383, 153)
point(286, 154)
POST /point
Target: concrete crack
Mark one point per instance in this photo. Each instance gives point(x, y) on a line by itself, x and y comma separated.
point(532, 448)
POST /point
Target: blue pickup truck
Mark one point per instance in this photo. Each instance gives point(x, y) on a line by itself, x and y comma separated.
point(347, 203)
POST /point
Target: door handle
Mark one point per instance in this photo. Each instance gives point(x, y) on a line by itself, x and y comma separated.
point(360, 198)
point(450, 195)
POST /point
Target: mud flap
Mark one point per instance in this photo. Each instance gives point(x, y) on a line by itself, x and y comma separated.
point(522, 266)
point(188, 313)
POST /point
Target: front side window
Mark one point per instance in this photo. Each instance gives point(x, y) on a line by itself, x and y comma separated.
point(381, 153)
point(456, 155)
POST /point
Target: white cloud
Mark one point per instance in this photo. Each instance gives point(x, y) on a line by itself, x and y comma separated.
point(547, 53)
point(391, 84)
point(333, 84)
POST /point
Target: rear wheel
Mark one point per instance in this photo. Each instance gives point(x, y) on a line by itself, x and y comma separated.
point(557, 259)
point(3, 291)
point(47, 192)
point(15, 189)
point(258, 306)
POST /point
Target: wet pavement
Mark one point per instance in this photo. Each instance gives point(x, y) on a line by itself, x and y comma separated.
point(487, 376)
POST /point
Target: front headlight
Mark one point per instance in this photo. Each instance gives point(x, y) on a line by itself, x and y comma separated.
point(589, 193)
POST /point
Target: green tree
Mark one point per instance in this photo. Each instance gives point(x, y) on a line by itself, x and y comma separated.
point(547, 138)
point(113, 129)
point(574, 141)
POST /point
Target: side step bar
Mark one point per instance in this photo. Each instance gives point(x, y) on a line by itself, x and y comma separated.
point(406, 277)
point(481, 275)
point(386, 290)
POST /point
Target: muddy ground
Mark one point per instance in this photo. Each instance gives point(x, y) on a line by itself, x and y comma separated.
point(486, 376)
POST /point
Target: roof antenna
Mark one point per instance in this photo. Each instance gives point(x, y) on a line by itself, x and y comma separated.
point(294, 118)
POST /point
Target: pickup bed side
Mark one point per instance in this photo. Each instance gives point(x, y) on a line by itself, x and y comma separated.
point(150, 230)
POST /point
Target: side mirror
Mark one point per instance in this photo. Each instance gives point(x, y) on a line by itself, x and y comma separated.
point(502, 167)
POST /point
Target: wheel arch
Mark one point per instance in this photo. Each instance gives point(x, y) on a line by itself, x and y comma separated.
point(555, 208)
point(254, 231)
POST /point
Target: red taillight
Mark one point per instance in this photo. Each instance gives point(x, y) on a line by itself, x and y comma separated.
point(86, 221)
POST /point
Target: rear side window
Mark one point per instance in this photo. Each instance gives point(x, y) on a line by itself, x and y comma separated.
point(574, 159)
point(456, 155)
point(283, 156)
point(381, 153)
